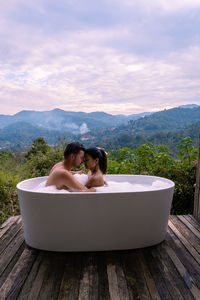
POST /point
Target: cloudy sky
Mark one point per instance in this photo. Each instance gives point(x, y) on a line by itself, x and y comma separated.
point(115, 56)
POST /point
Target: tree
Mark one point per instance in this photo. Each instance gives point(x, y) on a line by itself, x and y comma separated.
point(38, 145)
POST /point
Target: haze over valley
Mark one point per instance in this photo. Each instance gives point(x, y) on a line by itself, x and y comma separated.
point(99, 128)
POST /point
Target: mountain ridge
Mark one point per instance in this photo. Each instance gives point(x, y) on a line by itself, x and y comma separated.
point(57, 119)
point(97, 128)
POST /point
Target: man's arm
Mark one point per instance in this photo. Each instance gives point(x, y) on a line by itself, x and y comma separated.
point(77, 172)
point(67, 180)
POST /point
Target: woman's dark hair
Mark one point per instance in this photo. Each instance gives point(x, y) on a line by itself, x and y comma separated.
point(74, 148)
point(102, 156)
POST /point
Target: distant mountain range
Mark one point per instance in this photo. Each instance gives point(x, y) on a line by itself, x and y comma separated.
point(97, 128)
point(67, 121)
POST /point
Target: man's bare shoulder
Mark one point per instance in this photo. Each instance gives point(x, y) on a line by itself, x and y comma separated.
point(58, 176)
point(60, 171)
point(56, 167)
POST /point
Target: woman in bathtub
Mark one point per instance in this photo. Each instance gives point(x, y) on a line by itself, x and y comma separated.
point(96, 162)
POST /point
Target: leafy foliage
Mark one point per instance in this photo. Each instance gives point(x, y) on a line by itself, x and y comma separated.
point(41, 158)
point(146, 159)
point(151, 160)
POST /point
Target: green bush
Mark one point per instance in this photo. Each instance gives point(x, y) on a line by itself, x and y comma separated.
point(41, 158)
point(9, 203)
point(146, 159)
point(150, 160)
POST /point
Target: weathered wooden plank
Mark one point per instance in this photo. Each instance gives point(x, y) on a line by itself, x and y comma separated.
point(89, 280)
point(103, 276)
point(9, 234)
point(174, 275)
point(183, 272)
point(7, 269)
point(165, 268)
point(7, 224)
point(12, 285)
point(190, 264)
point(54, 268)
point(34, 280)
point(192, 221)
point(11, 249)
point(193, 251)
point(191, 228)
point(93, 278)
point(112, 281)
point(69, 288)
point(186, 232)
point(116, 275)
point(134, 274)
point(122, 284)
point(156, 274)
point(149, 280)
point(170, 270)
point(84, 288)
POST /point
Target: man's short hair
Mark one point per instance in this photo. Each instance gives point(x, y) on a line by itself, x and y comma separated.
point(73, 148)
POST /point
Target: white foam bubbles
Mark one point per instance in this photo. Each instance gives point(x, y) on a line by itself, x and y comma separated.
point(82, 178)
point(113, 187)
point(110, 187)
point(41, 188)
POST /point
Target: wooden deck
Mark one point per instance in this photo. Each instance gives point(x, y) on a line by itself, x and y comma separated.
point(170, 270)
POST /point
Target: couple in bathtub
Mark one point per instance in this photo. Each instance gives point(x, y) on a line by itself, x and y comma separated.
point(95, 160)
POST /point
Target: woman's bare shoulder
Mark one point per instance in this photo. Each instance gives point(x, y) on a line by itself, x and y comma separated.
point(95, 180)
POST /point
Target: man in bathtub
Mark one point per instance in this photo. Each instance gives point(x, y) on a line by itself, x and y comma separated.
point(61, 175)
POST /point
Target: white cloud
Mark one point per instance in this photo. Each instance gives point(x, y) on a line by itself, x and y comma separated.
point(129, 66)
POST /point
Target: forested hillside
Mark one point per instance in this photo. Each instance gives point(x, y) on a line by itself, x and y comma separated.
point(167, 120)
point(21, 134)
point(100, 129)
point(127, 139)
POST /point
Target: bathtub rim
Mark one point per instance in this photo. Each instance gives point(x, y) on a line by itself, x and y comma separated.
point(172, 185)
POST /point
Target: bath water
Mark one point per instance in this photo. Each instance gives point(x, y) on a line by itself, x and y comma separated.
point(110, 187)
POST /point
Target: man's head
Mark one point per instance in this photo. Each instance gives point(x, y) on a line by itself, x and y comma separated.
point(75, 151)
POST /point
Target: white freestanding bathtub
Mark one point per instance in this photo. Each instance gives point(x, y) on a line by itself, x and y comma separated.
point(81, 221)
